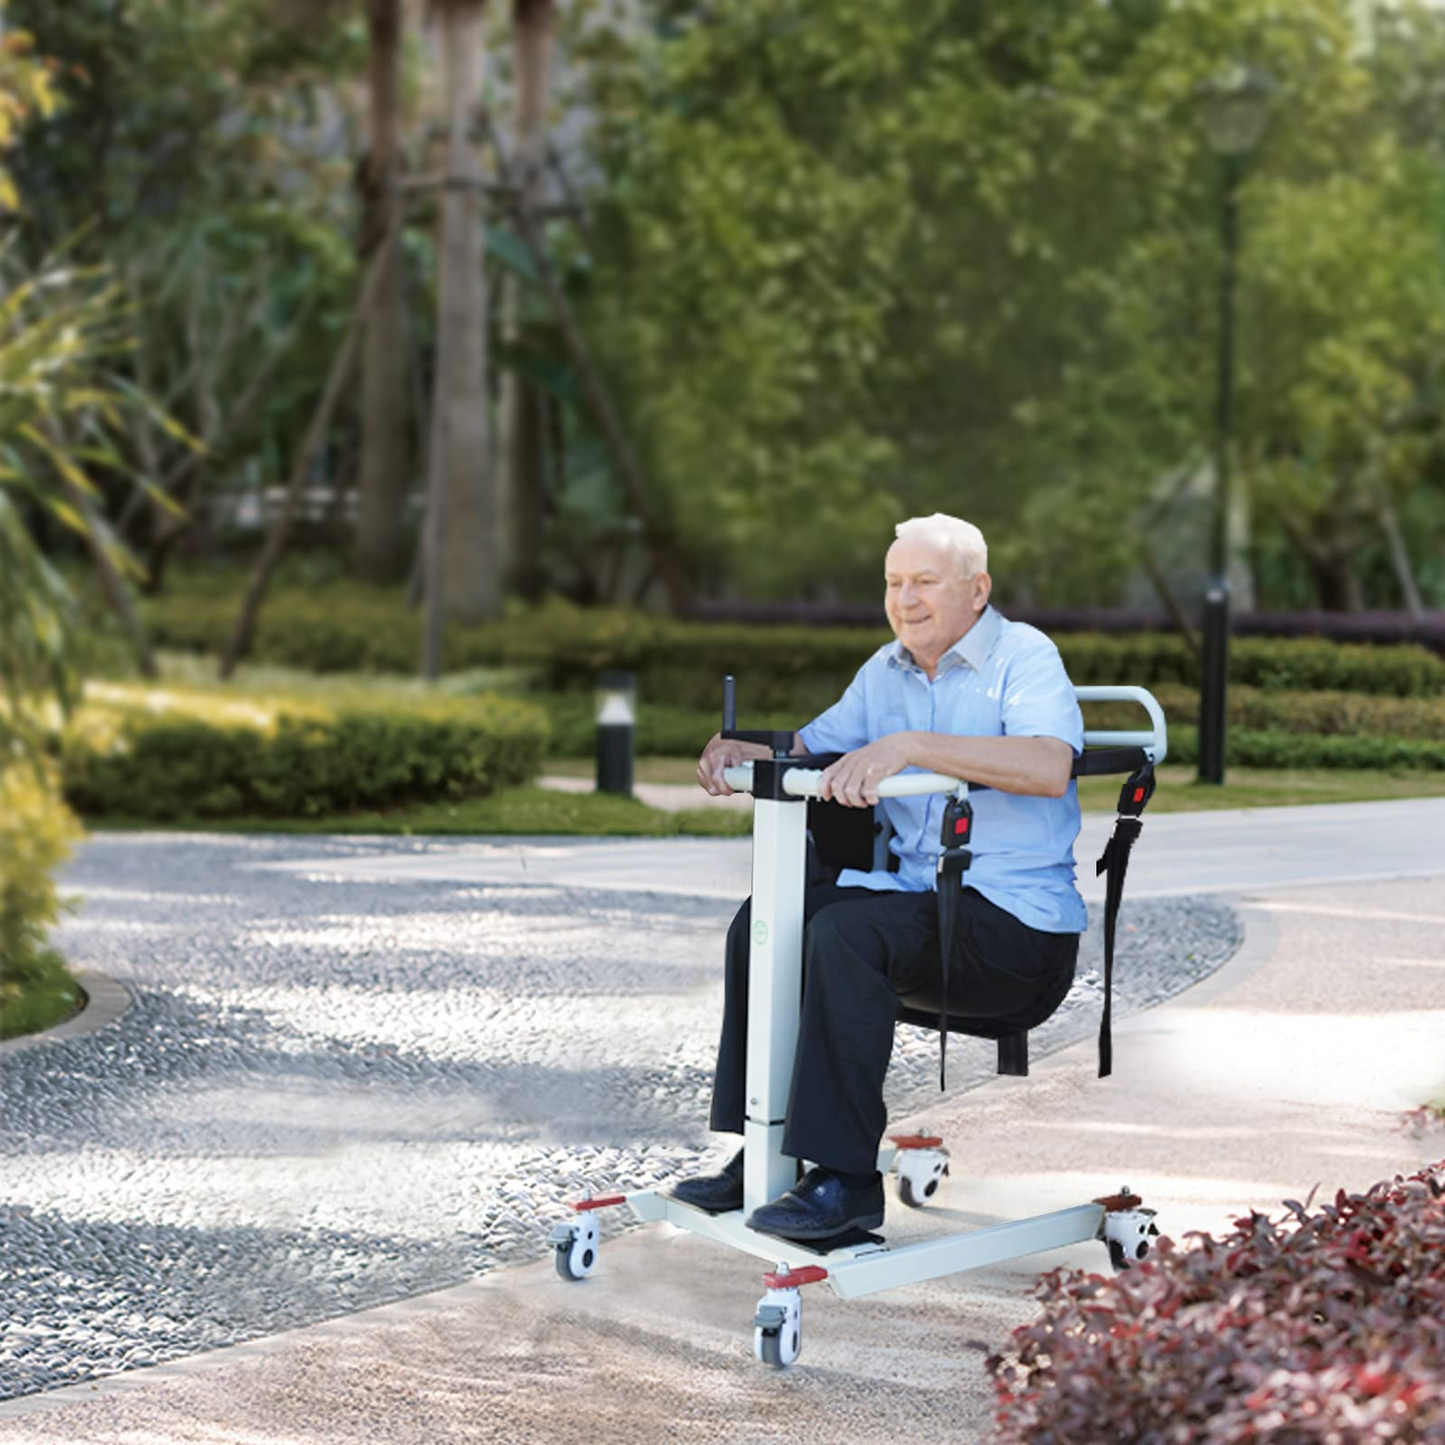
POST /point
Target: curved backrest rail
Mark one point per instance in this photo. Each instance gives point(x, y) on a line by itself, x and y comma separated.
point(1155, 742)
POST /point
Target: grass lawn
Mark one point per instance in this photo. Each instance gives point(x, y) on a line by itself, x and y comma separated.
point(513, 811)
point(1178, 790)
point(41, 995)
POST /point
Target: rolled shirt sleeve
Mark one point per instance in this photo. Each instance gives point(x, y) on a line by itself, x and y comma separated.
point(1038, 698)
point(844, 726)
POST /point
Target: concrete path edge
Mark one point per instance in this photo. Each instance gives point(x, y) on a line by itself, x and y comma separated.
point(106, 1001)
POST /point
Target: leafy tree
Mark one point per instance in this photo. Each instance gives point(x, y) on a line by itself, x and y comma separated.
point(172, 110)
point(190, 157)
point(36, 612)
point(907, 256)
point(26, 87)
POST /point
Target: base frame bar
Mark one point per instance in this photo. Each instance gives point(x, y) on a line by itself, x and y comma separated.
point(860, 1269)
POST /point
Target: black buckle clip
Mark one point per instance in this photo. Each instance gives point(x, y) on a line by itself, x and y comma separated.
point(1136, 792)
point(957, 833)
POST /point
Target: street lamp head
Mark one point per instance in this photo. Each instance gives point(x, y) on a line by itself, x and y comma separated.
point(1236, 108)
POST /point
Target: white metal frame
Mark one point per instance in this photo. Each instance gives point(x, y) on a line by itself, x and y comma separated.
point(775, 976)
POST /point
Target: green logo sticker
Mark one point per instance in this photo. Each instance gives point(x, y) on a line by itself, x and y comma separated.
point(760, 933)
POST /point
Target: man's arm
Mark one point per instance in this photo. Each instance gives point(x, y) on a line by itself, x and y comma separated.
point(1041, 766)
point(1036, 765)
point(722, 753)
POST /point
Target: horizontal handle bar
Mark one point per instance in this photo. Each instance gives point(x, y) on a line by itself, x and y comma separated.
point(803, 782)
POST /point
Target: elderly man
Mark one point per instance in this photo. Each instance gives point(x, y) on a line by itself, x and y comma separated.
point(962, 692)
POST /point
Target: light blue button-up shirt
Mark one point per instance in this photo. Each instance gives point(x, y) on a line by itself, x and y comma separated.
point(1000, 679)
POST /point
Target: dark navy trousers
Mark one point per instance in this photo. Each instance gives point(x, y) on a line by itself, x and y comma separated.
point(866, 954)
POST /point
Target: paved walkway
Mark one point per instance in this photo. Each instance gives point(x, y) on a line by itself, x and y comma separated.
point(1287, 1068)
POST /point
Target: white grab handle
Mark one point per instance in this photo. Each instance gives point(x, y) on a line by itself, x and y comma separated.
point(803, 782)
point(1155, 742)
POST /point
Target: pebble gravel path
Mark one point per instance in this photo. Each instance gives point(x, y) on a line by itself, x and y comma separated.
point(331, 1093)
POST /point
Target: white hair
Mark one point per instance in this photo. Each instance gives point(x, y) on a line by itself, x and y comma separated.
point(961, 540)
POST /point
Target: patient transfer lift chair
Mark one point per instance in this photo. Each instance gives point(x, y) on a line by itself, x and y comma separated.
point(859, 1263)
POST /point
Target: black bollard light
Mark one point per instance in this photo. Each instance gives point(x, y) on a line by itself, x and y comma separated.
point(616, 724)
point(1213, 692)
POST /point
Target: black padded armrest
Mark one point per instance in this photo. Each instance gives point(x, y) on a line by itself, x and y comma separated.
point(1099, 762)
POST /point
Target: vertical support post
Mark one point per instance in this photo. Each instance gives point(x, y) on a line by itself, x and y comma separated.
point(775, 987)
point(1213, 694)
point(1215, 659)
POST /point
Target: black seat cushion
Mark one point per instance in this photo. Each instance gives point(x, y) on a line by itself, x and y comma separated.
point(922, 1009)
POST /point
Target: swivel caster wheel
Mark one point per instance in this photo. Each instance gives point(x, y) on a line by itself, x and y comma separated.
point(920, 1172)
point(575, 1247)
point(778, 1327)
point(773, 1347)
point(1127, 1230)
point(778, 1324)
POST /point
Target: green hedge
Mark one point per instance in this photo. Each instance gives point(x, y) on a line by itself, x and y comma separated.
point(163, 755)
point(36, 831)
point(1326, 730)
point(342, 627)
point(1272, 749)
point(663, 729)
point(1265, 710)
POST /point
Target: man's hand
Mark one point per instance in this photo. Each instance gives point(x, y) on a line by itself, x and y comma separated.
point(722, 753)
point(853, 780)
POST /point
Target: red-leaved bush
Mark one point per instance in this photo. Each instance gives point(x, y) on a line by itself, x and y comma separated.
point(1321, 1327)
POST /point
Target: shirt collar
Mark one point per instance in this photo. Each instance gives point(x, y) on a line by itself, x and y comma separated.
point(972, 648)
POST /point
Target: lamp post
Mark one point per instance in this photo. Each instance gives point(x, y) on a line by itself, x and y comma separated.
point(1235, 111)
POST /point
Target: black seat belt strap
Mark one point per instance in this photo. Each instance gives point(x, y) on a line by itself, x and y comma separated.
point(1133, 798)
point(953, 862)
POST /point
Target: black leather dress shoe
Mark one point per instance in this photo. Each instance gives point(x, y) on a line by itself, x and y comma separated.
point(715, 1193)
point(818, 1206)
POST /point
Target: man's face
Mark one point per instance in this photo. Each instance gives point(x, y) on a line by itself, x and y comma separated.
point(929, 605)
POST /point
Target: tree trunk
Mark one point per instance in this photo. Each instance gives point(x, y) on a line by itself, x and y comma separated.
point(1328, 558)
point(462, 575)
point(519, 449)
point(112, 583)
point(668, 562)
point(1335, 582)
point(1400, 557)
point(316, 433)
point(1176, 613)
point(385, 475)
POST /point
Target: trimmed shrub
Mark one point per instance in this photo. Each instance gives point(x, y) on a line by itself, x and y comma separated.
point(1302, 665)
point(1256, 710)
point(1379, 627)
point(36, 831)
point(1271, 749)
point(664, 730)
point(169, 754)
point(1266, 710)
point(347, 627)
point(1323, 1326)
